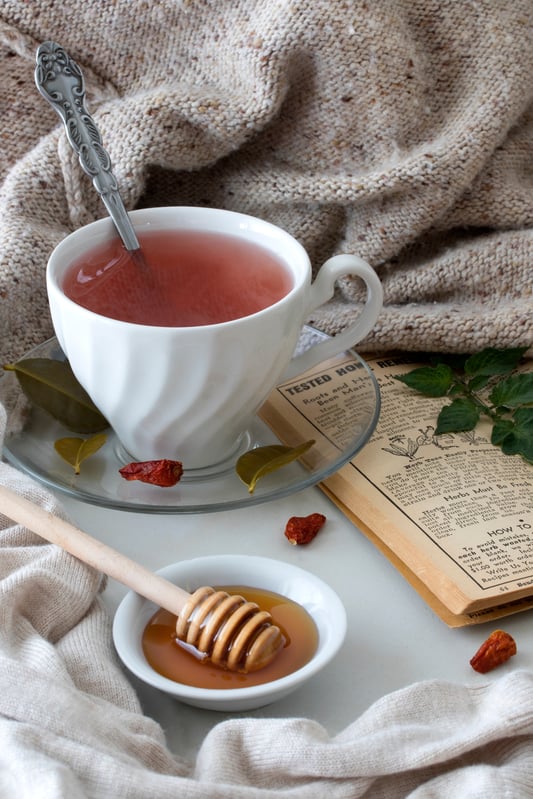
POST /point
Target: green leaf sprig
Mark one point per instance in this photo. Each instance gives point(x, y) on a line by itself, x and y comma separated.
point(484, 384)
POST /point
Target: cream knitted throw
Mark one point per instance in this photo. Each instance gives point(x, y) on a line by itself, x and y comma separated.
point(71, 727)
point(401, 130)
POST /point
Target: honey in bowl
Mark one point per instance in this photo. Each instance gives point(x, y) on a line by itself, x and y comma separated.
point(166, 656)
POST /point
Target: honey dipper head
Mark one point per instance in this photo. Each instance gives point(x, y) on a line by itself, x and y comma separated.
point(233, 633)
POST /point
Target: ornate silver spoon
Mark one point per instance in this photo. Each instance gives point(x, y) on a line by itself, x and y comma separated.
point(60, 81)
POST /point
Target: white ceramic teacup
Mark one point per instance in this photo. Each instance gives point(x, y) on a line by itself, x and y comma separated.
point(189, 393)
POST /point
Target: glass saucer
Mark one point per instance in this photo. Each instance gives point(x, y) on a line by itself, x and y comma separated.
point(214, 488)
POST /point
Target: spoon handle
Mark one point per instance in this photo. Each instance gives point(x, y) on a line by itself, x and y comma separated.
point(60, 81)
point(93, 552)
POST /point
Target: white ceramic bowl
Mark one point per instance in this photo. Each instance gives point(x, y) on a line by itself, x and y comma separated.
point(318, 599)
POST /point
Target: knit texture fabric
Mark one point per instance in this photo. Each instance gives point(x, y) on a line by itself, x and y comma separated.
point(401, 131)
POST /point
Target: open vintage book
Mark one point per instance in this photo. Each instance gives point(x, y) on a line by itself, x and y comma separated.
point(451, 512)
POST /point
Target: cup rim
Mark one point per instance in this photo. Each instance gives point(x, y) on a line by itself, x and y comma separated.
point(103, 229)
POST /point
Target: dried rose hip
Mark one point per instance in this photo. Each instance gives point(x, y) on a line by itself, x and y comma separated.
point(302, 529)
point(497, 649)
point(160, 473)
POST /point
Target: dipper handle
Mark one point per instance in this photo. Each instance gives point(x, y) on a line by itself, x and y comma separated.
point(93, 552)
point(225, 628)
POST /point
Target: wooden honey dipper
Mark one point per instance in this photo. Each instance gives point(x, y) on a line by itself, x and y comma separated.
point(226, 629)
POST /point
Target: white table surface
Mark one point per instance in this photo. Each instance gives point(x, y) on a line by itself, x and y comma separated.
point(393, 638)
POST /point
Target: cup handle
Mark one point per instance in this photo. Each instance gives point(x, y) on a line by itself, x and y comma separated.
point(322, 289)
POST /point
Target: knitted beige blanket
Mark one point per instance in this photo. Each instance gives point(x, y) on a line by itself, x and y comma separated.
point(401, 130)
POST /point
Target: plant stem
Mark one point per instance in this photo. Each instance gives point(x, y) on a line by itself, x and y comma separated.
point(488, 410)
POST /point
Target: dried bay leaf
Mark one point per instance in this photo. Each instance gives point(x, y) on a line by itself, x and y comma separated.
point(76, 450)
point(52, 385)
point(258, 462)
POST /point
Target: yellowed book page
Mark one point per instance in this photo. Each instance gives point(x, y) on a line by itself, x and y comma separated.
point(451, 619)
point(453, 508)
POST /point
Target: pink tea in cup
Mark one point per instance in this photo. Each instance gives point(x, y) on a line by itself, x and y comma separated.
point(193, 278)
